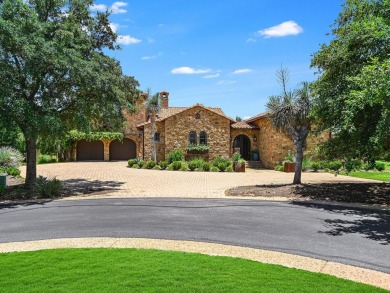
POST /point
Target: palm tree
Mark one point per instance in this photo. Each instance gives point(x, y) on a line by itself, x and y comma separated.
point(290, 114)
point(153, 107)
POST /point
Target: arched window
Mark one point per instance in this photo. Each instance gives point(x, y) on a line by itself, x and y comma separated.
point(203, 138)
point(192, 137)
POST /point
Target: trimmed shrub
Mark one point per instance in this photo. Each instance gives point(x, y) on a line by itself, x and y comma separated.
point(223, 160)
point(206, 166)
point(174, 156)
point(195, 164)
point(163, 165)
point(174, 166)
point(335, 165)
point(351, 164)
point(47, 188)
point(380, 166)
point(135, 166)
point(324, 165)
point(150, 164)
point(157, 167)
point(315, 166)
point(12, 171)
point(222, 166)
point(131, 162)
point(184, 166)
point(214, 169)
point(229, 169)
point(45, 159)
point(279, 168)
point(10, 157)
point(141, 163)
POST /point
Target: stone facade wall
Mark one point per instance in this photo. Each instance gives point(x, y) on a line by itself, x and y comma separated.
point(132, 120)
point(160, 146)
point(217, 127)
point(274, 146)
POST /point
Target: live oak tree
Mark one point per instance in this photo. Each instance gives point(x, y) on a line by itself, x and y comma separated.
point(289, 113)
point(352, 93)
point(54, 71)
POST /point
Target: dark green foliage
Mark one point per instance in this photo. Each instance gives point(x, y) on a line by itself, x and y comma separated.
point(184, 166)
point(10, 171)
point(44, 159)
point(214, 169)
point(91, 136)
point(150, 164)
point(47, 188)
point(219, 159)
point(195, 164)
point(229, 169)
point(198, 148)
point(131, 162)
point(380, 166)
point(163, 165)
point(174, 166)
point(175, 155)
point(352, 91)
point(335, 165)
point(279, 168)
point(206, 166)
point(352, 164)
point(141, 163)
point(236, 157)
point(222, 166)
point(315, 166)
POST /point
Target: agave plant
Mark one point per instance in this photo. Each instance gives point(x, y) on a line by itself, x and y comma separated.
point(10, 157)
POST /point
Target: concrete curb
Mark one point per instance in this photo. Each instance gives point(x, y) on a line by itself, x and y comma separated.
point(371, 277)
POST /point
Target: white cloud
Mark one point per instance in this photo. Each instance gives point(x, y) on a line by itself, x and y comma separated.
point(241, 71)
point(225, 82)
point(151, 57)
point(189, 70)
point(116, 7)
point(286, 28)
point(212, 75)
point(98, 7)
point(114, 27)
point(127, 40)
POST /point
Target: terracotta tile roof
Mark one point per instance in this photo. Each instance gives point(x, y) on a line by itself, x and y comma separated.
point(171, 111)
point(257, 117)
point(243, 125)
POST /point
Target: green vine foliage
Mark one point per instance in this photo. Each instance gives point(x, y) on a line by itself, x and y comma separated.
point(198, 147)
point(76, 135)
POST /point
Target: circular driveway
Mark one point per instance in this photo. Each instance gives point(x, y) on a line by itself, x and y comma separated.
point(114, 179)
point(352, 236)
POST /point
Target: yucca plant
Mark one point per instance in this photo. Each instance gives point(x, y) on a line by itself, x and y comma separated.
point(10, 157)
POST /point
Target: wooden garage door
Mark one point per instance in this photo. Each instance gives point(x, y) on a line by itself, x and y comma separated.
point(90, 150)
point(122, 150)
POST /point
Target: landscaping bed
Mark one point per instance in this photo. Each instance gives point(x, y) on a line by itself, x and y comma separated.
point(364, 193)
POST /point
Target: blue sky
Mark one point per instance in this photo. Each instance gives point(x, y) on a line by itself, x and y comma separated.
point(221, 53)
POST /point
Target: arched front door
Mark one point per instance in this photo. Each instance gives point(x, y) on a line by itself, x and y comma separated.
point(122, 150)
point(243, 143)
point(90, 150)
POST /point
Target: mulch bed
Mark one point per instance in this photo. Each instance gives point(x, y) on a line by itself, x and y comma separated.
point(365, 193)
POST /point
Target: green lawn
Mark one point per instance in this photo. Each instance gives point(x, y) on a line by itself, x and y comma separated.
point(382, 176)
point(132, 270)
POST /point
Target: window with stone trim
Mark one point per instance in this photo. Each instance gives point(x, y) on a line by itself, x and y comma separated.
point(192, 137)
point(157, 137)
point(203, 138)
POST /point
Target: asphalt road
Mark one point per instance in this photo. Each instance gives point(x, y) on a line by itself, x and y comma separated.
point(359, 237)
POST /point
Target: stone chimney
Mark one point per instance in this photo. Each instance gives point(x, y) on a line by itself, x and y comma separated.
point(164, 99)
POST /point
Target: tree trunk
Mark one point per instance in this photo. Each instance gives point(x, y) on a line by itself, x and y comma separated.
point(299, 158)
point(31, 171)
point(152, 141)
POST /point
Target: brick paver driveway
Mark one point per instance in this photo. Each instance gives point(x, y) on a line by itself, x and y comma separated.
point(127, 182)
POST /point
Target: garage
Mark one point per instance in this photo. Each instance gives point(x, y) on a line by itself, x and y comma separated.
point(90, 150)
point(122, 150)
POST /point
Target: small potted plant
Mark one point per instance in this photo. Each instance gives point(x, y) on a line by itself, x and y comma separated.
point(289, 163)
point(239, 166)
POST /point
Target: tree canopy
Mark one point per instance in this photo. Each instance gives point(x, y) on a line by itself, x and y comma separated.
point(55, 74)
point(352, 93)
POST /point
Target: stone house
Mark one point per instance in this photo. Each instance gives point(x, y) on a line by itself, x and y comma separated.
point(177, 127)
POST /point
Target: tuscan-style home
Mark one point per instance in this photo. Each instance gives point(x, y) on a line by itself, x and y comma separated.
point(178, 127)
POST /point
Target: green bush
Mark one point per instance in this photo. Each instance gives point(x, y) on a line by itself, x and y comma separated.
point(184, 166)
point(132, 162)
point(141, 163)
point(45, 159)
point(236, 157)
point(229, 169)
point(379, 166)
point(163, 165)
point(47, 188)
point(352, 164)
point(135, 166)
point(222, 166)
point(157, 167)
point(335, 165)
point(195, 164)
point(174, 156)
point(197, 147)
point(206, 166)
point(306, 163)
point(174, 166)
point(315, 166)
point(279, 168)
point(150, 164)
point(10, 157)
point(12, 171)
point(214, 169)
point(220, 159)
point(324, 165)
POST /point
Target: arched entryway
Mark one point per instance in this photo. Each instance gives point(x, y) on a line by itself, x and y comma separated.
point(243, 143)
point(123, 150)
point(90, 150)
